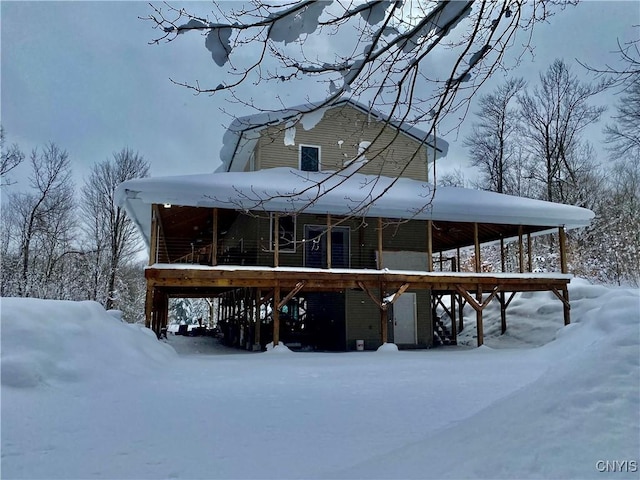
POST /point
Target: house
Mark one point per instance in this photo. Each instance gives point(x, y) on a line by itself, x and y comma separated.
point(320, 230)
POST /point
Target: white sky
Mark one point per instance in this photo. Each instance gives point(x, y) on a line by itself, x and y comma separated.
point(82, 74)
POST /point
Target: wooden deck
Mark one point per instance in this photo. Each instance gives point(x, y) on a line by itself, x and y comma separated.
point(382, 286)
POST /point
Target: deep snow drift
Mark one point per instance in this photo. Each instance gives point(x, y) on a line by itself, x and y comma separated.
point(87, 396)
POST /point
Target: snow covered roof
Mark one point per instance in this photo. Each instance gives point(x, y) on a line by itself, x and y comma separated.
point(342, 193)
point(242, 135)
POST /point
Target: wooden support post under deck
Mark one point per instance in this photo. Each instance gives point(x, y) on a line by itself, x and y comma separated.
point(328, 240)
point(429, 246)
point(479, 326)
point(563, 250)
point(454, 327)
point(276, 240)
point(276, 316)
point(566, 306)
point(384, 317)
point(214, 240)
point(476, 243)
point(380, 262)
point(520, 250)
point(256, 313)
point(503, 314)
point(148, 306)
point(529, 255)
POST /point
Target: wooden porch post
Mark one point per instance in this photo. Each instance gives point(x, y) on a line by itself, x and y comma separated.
point(429, 246)
point(148, 306)
point(479, 326)
point(529, 256)
point(214, 241)
point(384, 317)
point(476, 243)
point(153, 241)
point(258, 296)
point(566, 310)
point(563, 250)
point(276, 316)
point(380, 262)
point(520, 250)
point(328, 240)
point(276, 240)
point(503, 314)
point(503, 311)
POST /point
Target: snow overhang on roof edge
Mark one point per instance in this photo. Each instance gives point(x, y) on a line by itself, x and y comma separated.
point(287, 190)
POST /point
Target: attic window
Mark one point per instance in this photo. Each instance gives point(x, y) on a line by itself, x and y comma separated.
point(309, 158)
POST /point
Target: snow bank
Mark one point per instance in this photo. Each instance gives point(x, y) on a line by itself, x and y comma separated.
point(561, 410)
point(45, 341)
point(582, 413)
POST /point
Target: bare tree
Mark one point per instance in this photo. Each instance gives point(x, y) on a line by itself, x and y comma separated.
point(623, 135)
point(10, 158)
point(114, 240)
point(44, 213)
point(381, 52)
point(554, 116)
point(491, 145)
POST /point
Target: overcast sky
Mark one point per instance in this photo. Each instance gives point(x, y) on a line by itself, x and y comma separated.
point(83, 75)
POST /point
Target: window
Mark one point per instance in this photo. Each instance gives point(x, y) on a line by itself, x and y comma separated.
point(309, 158)
point(286, 234)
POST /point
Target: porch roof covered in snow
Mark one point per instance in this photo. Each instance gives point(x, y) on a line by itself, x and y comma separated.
point(453, 210)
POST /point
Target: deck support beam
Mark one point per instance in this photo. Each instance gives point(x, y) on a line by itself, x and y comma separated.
point(520, 250)
point(563, 296)
point(276, 316)
point(291, 294)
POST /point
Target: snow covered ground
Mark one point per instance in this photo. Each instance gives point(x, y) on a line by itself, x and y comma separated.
point(87, 396)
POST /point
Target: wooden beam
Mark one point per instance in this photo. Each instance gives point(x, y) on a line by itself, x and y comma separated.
point(399, 292)
point(328, 240)
point(503, 264)
point(564, 298)
point(429, 246)
point(476, 243)
point(529, 255)
point(276, 240)
point(276, 316)
point(257, 319)
point(375, 299)
point(214, 240)
point(148, 306)
point(153, 241)
point(384, 317)
point(479, 323)
point(478, 305)
point(520, 250)
point(566, 310)
point(291, 294)
point(380, 262)
point(563, 250)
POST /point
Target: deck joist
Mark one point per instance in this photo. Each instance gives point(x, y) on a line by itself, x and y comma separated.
point(335, 280)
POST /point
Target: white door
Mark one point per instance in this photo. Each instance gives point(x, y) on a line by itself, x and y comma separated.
point(404, 319)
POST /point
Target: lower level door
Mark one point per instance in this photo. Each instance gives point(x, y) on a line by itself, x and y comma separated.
point(405, 319)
